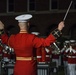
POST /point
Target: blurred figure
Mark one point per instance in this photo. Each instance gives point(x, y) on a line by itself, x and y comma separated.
point(72, 58)
point(64, 56)
point(38, 51)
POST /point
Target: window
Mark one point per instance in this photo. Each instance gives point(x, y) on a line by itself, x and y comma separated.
point(31, 5)
point(75, 5)
point(10, 5)
point(53, 4)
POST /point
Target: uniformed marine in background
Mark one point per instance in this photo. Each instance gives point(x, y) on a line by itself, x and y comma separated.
point(64, 56)
point(71, 58)
point(55, 58)
point(38, 51)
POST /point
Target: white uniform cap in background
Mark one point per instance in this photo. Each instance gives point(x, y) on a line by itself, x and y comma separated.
point(72, 41)
point(23, 18)
point(67, 41)
point(36, 33)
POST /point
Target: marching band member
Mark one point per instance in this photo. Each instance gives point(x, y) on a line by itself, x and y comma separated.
point(23, 44)
point(48, 54)
point(64, 56)
point(38, 51)
point(55, 56)
point(72, 58)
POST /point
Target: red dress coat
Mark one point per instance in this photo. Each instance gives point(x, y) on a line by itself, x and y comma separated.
point(24, 44)
point(72, 57)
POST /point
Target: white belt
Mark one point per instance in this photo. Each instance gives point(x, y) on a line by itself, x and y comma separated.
point(47, 56)
point(38, 56)
point(71, 56)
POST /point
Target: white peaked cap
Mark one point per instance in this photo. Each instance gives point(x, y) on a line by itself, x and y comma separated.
point(72, 41)
point(23, 18)
point(36, 33)
point(67, 41)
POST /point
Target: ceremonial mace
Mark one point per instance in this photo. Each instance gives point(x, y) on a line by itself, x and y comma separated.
point(67, 10)
point(64, 20)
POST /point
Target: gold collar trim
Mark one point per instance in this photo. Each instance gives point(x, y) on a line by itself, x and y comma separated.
point(23, 31)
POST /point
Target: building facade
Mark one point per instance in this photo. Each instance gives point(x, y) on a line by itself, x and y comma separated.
point(46, 15)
